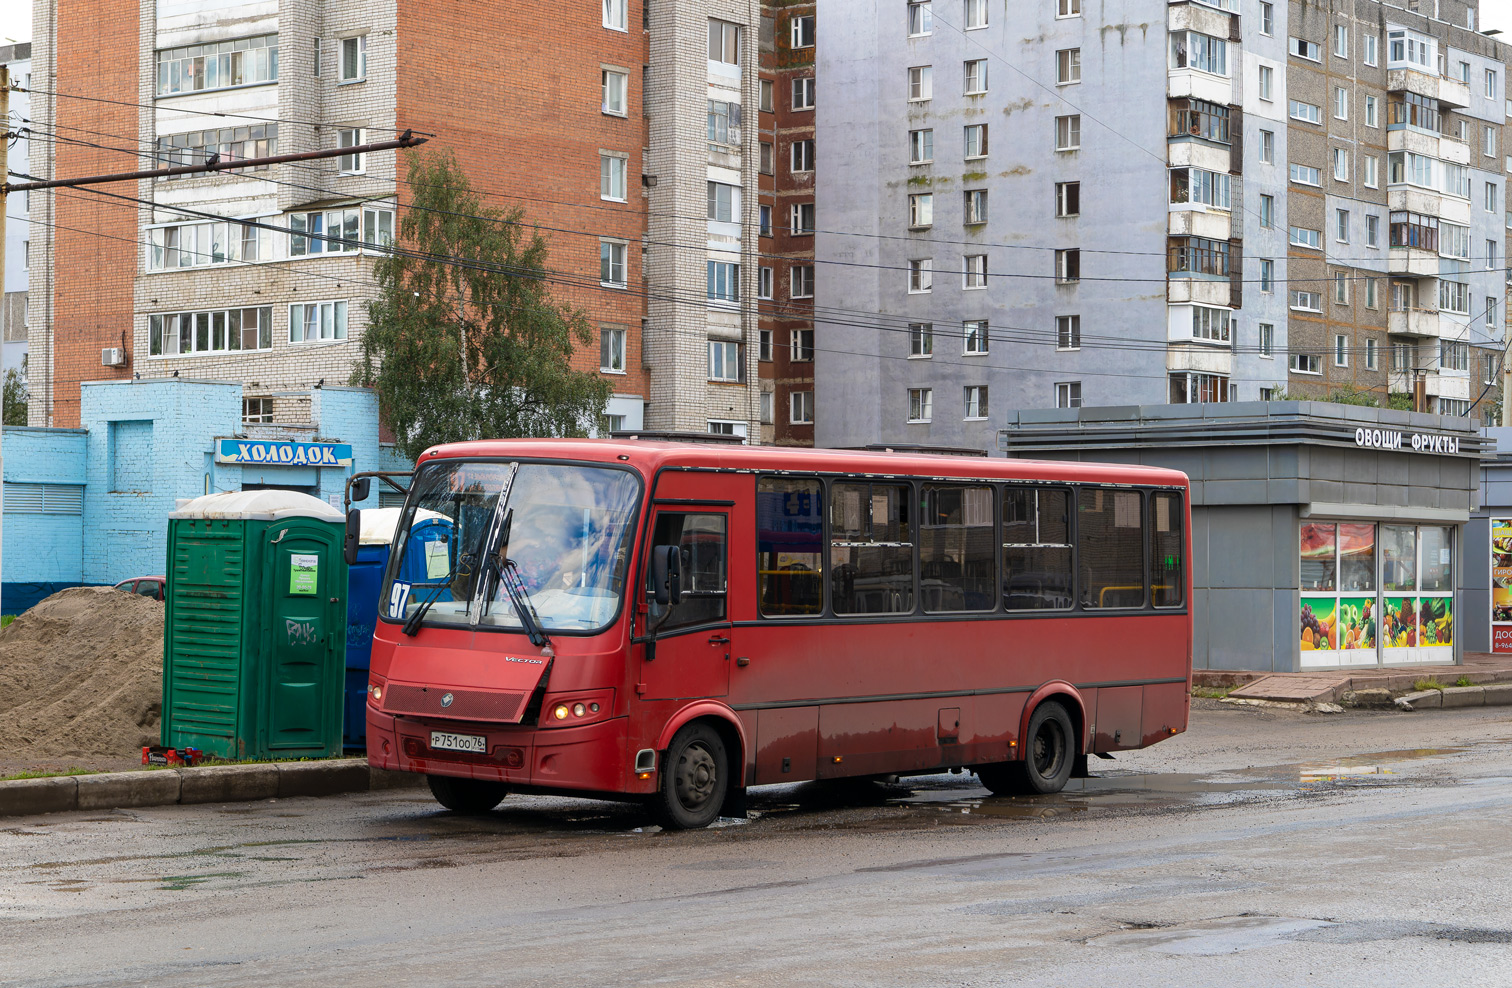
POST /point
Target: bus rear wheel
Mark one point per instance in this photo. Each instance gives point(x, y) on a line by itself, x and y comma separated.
point(1049, 756)
point(694, 779)
point(466, 795)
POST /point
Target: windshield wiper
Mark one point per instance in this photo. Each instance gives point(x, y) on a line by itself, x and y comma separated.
point(412, 623)
point(509, 576)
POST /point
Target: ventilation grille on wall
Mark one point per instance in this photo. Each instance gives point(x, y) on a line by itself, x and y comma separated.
point(46, 499)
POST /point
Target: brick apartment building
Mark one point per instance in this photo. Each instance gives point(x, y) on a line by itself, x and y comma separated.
point(649, 216)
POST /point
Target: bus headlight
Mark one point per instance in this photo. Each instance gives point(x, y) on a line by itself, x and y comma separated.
point(582, 708)
point(560, 711)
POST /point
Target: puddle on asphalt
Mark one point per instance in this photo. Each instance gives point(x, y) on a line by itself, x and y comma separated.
point(1226, 935)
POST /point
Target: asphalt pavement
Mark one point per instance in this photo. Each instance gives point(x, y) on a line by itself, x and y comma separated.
point(1260, 848)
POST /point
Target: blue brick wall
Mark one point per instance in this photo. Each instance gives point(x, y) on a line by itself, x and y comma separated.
point(40, 549)
point(131, 457)
point(348, 415)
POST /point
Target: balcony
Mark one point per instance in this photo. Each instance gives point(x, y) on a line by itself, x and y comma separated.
point(1184, 288)
point(1412, 139)
point(1197, 84)
point(1412, 261)
point(1447, 91)
point(1413, 322)
point(1187, 221)
point(1413, 199)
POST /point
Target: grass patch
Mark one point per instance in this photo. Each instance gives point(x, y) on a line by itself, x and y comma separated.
point(1212, 692)
point(6, 619)
point(1463, 681)
point(29, 774)
point(1422, 685)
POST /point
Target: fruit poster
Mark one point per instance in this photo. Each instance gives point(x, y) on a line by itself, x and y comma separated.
point(1399, 622)
point(1436, 621)
point(1501, 584)
point(1318, 624)
point(1356, 622)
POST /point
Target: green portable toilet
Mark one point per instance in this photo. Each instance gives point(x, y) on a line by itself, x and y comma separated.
point(254, 650)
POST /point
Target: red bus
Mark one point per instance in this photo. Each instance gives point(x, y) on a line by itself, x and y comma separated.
point(674, 623)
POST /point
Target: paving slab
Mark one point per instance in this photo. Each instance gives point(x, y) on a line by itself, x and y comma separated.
point(1292, 688)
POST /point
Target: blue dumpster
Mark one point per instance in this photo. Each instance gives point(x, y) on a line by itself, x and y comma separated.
point(364, 588)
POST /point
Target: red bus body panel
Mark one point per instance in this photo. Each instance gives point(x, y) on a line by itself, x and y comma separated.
point(796, 699)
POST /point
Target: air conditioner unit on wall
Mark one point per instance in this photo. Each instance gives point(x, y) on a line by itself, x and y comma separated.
point(113, 356)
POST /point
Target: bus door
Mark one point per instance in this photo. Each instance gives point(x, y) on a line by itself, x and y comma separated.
point(688, 643)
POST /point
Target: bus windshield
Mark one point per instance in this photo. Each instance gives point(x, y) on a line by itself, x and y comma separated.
point(564, 529)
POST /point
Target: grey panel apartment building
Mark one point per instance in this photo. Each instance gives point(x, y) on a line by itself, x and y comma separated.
point(1141, 201)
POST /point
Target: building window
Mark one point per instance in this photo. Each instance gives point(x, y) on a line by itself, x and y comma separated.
point(1267, 83)
point(920, 83)
point(1306, 363)
point(976, 140)
point(1199, 118)
point(1422, 232)
point(801, 408)
point(764, 345)
point(1372, 230)
point(764, 96)
point(1267, 276)
point(1068, 66)
point(724, 360)
point(612, 171)
point(724, 122)
point(1371, 292)
point(976, 271)
point(803, 156)
point(764, 281)
point(1488, 142)
point(353, 59)
point(331, 231)
point(920, 18)
point(1197, 255)
point(1492, 198)
point(920, 275)
point(257, 411)
point(1491, 319)
point(1267, 18)
point(356, 162)
point(1341, 350)
point(1340, 165)
point(724, 42)
point(1197, 185)
point(801, 278)
point(1068, 394)
point(1068, 132)
point(723, 281)
point(766, 408)
point(1068, 332)
point(920, 404)
point(1067, 199)
point(1068, 266)
point(612, 349)
point(767, 163)
point(764, 220)
point(801, 345)
point(802, 215)
point(974, 336)
point(1190, 50)
point(976, 402)
point(222, 330)
point(1341, 103)
point(1490, 84)
point(1267, 211)
point(1303, 48)
point(1212, 324)
point(1454, 356)
point(616, 86)
point(1372, 49)
point(921, 339)
point(920, 146)
point(1307, 301)
point(803, 93)
point(1266, 343)
point(1341, 41)
point(311, 322)
point(1306, 112)
point(1267, 147)
point(1370, 355)
point(1302, 237)
point(1372, 172)
point(616, 15)
point(1191, 388)
point(1341, 225)
point(920, 210)
point(976, 14)
point(975, 206)
point(192, 245)
point(1068, 8)
point(723, 202)
point(1454, 296)
point(801, 31)
point(218, 65)
point(612, 263)
point(976, 76)
point(1372, 112)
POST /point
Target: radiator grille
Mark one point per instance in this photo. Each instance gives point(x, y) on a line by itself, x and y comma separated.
point(425, 701)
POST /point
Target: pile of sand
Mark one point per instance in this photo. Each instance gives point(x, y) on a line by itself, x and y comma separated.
point(81, 676)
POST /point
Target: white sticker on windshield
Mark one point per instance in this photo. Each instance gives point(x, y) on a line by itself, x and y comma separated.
point(398, 596)
point(437, 561)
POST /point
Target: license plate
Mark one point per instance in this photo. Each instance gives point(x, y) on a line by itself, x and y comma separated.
point(459, 742)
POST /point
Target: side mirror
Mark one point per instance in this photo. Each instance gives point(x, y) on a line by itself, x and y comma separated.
point(353, 536)
point(666, 574)
point(360, 488)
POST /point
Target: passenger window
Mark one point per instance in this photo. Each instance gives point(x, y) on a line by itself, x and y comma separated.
point(957, 571)
point(1037, 571)
point(871, 549)
point(700, 539)
point(1167, 568)
point(1110, 548)
point(789, 546)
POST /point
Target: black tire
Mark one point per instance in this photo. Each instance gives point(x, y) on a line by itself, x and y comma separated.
point(1001, 779)
point(466, 795)
point(1049, 757)
point(695, 777)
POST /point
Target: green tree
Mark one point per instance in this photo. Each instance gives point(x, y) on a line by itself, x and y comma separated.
point(465, 341)
point(15, 395)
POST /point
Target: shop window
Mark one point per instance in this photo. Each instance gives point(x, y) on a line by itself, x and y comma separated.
point(871, 549)
point(1037, 557)
point(789, 547)
point(1167, 569)
point(1357, 554)
point(1437, 574)
point(1318, 544)
point(957, 571)
point(1110, 548)
point(1398, 558)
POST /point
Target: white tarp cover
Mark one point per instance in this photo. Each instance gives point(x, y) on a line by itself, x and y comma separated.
point(257, 505)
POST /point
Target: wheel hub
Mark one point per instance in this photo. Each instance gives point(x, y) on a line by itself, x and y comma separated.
point(696, 777)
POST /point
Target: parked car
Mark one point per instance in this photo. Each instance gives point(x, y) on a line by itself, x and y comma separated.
point(146, 586)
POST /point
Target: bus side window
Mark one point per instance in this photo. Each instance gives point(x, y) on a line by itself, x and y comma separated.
point(1110, 548)
point(789, 546)
point(1037, 568)
point(871, 549)
point(1167, 568)
point(957, 568)
point(700, 539)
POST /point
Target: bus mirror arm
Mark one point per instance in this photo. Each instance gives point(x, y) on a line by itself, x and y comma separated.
point(666, 575)
point(353, 536)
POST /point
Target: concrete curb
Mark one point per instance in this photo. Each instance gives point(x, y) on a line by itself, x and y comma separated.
point(208, 784)
point(1496, 695)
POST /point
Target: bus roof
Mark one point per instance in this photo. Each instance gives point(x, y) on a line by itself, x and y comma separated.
point(649, 456)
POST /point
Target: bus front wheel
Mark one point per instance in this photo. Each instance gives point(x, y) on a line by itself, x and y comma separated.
point(694, 779)
point(1049, 756)
point(466, 795)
